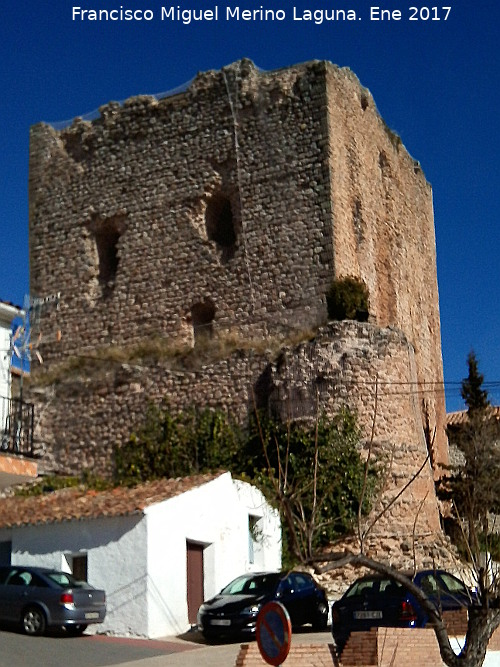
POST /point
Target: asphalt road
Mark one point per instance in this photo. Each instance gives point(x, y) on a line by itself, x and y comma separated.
point(57, 650)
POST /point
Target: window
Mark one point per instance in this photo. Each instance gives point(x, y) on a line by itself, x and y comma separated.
point(252, 537)
point(301, 582)
point(363, 587)
point(219, 221)
point(453, 585)
point(202, 316)
point(24, 578)
point(107, 233)
point(19, 578)
point(429, 585)
point(107, 241)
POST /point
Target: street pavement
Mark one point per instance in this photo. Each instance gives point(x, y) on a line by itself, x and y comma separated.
point(56, 649)
point(191, 651)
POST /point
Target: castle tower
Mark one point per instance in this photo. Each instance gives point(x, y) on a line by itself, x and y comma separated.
point(228, 209)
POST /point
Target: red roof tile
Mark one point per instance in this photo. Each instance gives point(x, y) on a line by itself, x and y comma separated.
point(460, 417)
point(77, 503)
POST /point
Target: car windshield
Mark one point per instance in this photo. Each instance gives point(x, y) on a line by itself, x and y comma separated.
point(252, 584)
point(65, 580)
point(365, 587)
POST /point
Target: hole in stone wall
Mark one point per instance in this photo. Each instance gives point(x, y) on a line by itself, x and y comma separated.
point(202, 317)
point(219, 221)
point(107, 233)
point(364, 101)
point(107, 241)
point(263, 389)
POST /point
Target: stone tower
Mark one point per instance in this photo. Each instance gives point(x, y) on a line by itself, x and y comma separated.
point(227, 210)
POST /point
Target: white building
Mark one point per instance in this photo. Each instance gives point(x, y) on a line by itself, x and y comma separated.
point(8, 313)
point(158, 549)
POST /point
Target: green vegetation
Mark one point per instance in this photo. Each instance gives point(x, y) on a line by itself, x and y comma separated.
point(178, 445)
point(311, 472)
point(348, 299)
point(473, 486)
point(56, 482)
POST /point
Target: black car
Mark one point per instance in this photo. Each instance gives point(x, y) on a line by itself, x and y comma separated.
point(375, 601)
point(234, 610)
point(37, 598)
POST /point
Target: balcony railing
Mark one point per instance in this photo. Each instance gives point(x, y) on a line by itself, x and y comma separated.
point(16, 426)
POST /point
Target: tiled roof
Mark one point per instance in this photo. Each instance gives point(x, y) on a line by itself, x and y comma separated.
point(77, 503)
point(457, 418)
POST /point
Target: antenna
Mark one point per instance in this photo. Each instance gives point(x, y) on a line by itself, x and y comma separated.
point(24, 344)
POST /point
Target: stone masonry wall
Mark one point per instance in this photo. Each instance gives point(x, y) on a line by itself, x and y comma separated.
point(383, 226)
point(152, 173)
point(371, 370)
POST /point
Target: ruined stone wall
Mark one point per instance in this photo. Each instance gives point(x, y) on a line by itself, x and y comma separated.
point(239, 153)
point(83, 416)
point(227, 209)
point(372, 371)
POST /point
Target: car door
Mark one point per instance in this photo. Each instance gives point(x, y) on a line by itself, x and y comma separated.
point(21, 587)
point(15, 593)
point(298, 597)
point(4, 605)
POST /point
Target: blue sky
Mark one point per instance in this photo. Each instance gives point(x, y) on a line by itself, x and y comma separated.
point(436, 83)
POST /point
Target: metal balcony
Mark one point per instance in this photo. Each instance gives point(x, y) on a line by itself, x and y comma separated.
point(16, 427)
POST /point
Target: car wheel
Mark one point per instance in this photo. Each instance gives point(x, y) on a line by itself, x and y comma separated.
point(320, 623)
point(76, 630)
point(34, 621)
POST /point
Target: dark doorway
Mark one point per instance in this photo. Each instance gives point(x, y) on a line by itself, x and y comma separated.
point(195, 592)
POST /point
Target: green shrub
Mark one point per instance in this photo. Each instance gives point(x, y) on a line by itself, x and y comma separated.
point(177, 445)
point(348, 299)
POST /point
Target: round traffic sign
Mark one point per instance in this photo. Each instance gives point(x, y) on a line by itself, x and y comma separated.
point(274, 632)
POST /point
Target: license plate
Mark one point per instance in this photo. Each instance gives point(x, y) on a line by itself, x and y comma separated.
point(367, 615)
point(91, 614)
point(220, 621)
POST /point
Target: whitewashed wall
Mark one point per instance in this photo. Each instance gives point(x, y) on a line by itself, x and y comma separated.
point(216, 516)
point(140, 560)
point(7, 314)
point(116, 558)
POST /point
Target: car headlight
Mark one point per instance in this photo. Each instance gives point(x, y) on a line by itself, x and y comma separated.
point(250, 611)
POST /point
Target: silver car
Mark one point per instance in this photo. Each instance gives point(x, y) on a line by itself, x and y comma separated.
point(38, 598)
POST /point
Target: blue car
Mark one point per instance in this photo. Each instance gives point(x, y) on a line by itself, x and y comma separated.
point(375, 601)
